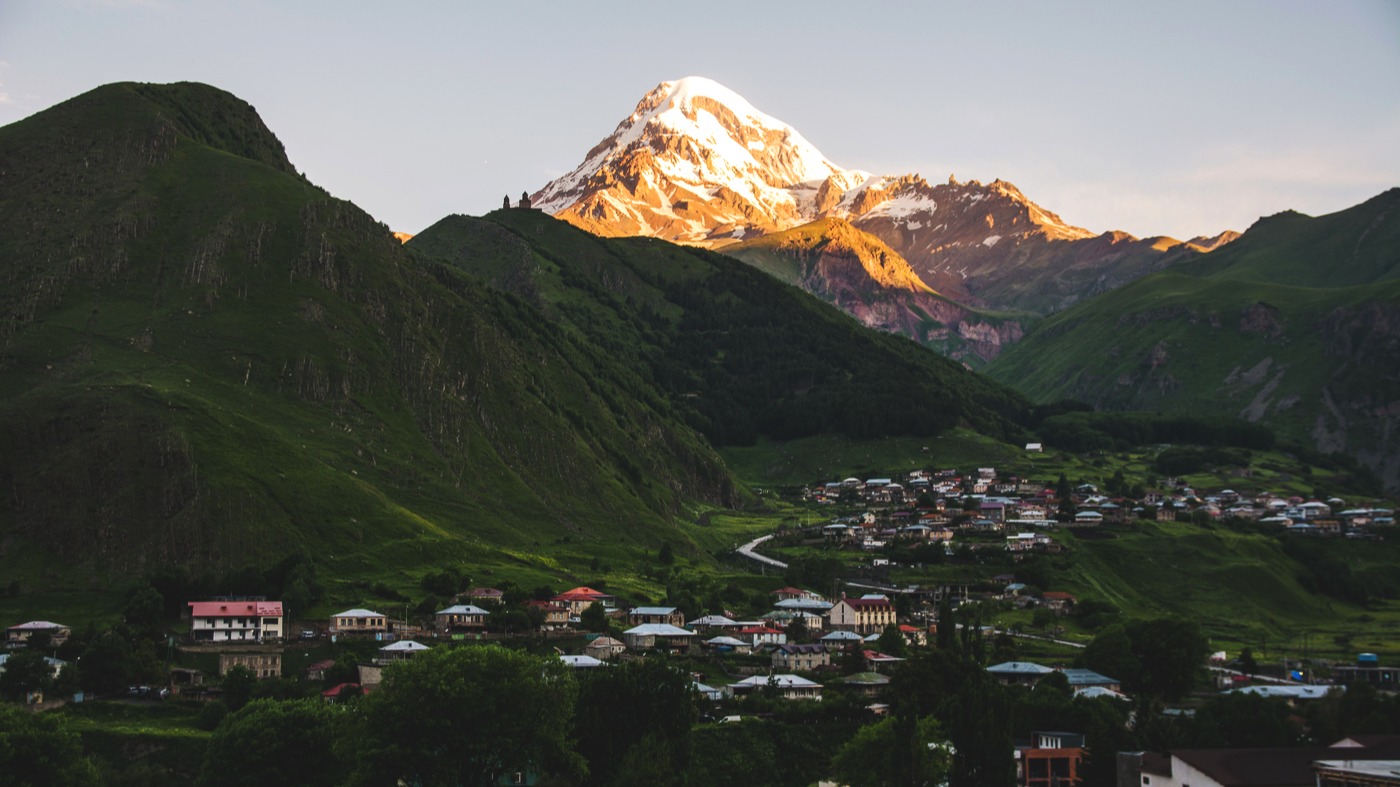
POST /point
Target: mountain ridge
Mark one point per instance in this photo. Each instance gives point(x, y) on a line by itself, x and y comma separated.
point(686, 166)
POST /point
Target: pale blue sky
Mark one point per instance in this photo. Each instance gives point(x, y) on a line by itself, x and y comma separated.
point(1179, 118)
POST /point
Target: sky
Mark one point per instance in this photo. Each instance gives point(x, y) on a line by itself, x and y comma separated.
point(1181, 119)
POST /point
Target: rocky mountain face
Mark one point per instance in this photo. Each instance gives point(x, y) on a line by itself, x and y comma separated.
point(867, 279)
point(696, 163)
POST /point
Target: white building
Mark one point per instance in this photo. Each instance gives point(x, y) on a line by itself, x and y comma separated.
point(235, 621)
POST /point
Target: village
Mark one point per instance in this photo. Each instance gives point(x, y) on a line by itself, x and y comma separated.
point(807, 645)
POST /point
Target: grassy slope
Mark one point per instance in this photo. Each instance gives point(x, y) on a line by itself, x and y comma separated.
point(737, 353)
point(1293, 324)
point(206, 360)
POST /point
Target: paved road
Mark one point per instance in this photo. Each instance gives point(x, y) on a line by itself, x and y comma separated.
point(747, 551)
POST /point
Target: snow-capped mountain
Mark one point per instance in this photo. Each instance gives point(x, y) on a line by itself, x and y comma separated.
point(697, 163)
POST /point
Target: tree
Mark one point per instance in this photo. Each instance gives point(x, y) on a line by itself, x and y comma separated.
point(272, 743)
point(238, 686)
point(876, 754)
point(891, 642)
point(25, 671)
point(1248, 664)
point(1171, 651)
point(1111, 653)
point(666, 555)
point(107, 664)
point(627, 704)
point(1245, 721)
point(594, 618)
point(467, 716)
point(143, 608)
point(38, 750)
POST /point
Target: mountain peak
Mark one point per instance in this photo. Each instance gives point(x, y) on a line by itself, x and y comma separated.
point(694, 162)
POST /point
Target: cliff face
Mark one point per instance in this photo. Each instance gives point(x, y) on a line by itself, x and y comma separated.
point(854, 270)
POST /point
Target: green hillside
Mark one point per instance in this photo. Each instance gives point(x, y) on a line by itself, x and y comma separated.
point(1296, 325)
point(206, 360)
point(737, 353)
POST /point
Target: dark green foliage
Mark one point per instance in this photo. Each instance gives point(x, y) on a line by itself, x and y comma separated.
point(1325, 572)
point(237, 685)
point(1093, 613)
point(1158, 657)
point(25, 671)
point(1236, 720)
point(594, 618)
point(467, 716)
point(271, 742)
point(646, 706)
point(38, 750)
point(1089, 431)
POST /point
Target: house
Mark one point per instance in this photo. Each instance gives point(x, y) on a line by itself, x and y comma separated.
point(554, 614)
point(1057, 600)
point(762, 635)
point(341, 692)
point(581, 598)
point(789, 593)
point(316, 671)
point(55, 665)
point(867, 684)
point(359, 623)
point(1088, 518)
point(914, 635)
point(400, 651)
point(235, 621)
point(1025, 542)
point(1049, 759)
point(789, 687)
point(879, 661)
point(722, 644)
point(582, 662)
point(486, 597)
point(865, 615)
point(20, 634)
point(1018, 673)
point(604, 648)
point(1080, 679)
point(461, 617)
point(1279, 767)
point(711, 623)
point(842, 639)
point(708, 692)
point(669, 615)
point(814, 605)
point(262, 662)
point(658, 636)
point(1034, 448)
point(800, 658)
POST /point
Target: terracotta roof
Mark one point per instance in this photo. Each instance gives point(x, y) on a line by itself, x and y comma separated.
point(235, 609)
